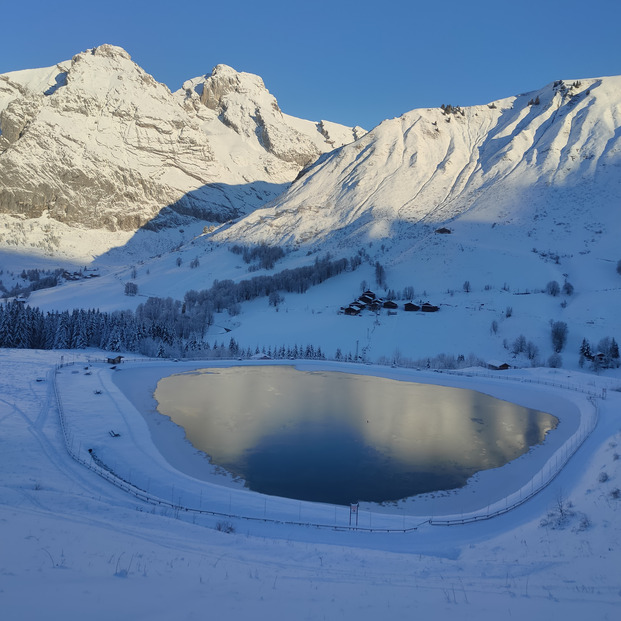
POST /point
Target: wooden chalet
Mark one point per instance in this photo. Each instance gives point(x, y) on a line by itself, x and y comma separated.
point(497, 365)
point(116, 360)
point(411, 307)
point(390, 304)
point(429, 308)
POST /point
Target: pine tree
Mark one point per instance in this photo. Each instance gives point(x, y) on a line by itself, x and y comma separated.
point(62, 336)
point(79, 338)
point(585, 350)
point(6, 334)
point(115, 342)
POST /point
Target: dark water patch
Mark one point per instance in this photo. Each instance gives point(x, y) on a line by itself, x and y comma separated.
point(339, 438)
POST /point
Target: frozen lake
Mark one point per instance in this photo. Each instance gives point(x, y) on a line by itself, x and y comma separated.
point(337, 437)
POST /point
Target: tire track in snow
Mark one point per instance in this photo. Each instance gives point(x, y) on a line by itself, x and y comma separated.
point(55, 456)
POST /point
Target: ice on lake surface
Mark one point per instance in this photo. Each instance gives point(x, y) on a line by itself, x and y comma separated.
point(338, 437)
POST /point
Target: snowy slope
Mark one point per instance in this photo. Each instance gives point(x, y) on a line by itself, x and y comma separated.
point(529, 193)
point(505, 164)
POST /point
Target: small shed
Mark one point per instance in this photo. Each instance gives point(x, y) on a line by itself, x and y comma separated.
point(116, 360)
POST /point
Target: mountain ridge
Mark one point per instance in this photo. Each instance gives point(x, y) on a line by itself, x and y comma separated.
point(433, 166)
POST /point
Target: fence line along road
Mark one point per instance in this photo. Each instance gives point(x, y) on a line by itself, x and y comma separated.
point(539, 482)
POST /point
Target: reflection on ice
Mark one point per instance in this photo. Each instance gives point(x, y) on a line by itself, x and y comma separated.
point(337, 437)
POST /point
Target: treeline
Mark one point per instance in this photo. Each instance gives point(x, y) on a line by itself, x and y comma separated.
point(36, 279)
point(441, 361)
point(228, 295)
point(161, 326)
point(266, 256)
point(277, 352)
point(23, 327)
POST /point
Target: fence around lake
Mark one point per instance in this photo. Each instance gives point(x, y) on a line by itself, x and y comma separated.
point(383, 522)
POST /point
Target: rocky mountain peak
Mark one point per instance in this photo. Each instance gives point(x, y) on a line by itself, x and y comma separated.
point(224, 82)
point(243, 103)
point(98, 143)
point(109, 51)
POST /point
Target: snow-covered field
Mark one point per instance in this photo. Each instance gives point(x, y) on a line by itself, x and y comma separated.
point(75, 546)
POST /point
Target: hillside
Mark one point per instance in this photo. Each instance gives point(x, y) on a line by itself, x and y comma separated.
point(475, 210)
point(553, 153)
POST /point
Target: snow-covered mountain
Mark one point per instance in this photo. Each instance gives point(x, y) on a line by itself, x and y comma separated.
point(97, 143)
point(552, 153)
point(506, 197)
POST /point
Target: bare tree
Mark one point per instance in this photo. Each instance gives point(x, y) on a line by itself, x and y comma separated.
point(553, 288)
point(131, 288)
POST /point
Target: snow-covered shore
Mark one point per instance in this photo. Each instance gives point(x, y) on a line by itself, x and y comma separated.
point(139, 379)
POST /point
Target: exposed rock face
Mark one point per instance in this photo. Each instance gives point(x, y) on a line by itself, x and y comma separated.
point(242, 102)
point(97, 142)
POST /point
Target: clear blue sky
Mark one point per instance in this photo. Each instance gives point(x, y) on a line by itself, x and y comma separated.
point(353, 62)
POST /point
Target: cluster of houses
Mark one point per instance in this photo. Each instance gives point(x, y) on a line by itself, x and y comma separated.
point(369, 301)
point(78, 275)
